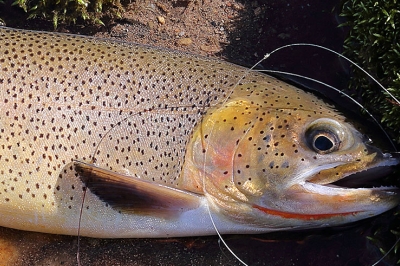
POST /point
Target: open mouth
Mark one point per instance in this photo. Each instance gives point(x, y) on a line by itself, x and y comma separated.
point(340, 192)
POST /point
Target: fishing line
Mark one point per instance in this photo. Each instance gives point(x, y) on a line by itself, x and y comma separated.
point(221, 239)
point(208, 207)
point(130, 116)
point(342, 93)
point(222, 249)
point(206, 144)
point(311, 79)
point(387, 253)
point(340, 55)
point(163, 109)
point(118, 124)
point(143, 111)
point(79, 228)
point(351, 62)
point(205, 147)
point(247, 72)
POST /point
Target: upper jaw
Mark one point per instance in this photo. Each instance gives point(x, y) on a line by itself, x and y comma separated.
point(356, 173)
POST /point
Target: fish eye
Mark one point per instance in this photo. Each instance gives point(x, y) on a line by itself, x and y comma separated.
point(324, 136)
point(325, 142)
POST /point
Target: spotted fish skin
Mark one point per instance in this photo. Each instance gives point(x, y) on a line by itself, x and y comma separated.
point(230, 141)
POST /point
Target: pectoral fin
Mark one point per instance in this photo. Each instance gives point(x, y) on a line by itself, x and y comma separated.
point(129, 194)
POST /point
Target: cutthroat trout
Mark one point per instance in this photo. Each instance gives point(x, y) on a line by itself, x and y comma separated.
point(126, 140)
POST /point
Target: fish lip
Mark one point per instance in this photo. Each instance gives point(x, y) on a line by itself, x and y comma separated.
point(384, 197)
point(373, 172)
point(390, 189)
point(364, 178)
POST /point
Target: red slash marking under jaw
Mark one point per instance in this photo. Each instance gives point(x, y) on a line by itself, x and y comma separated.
point(302, 216)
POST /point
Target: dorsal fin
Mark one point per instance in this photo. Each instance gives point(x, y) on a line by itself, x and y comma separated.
point(133, 195)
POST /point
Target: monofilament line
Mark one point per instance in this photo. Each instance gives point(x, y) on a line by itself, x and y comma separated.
point(331, 87)
point(206, 145)
point(342, 93)
point(340, 55)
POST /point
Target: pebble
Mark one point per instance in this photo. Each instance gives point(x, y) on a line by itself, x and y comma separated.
point(161, 20)
point(185, 41)
point(209, 48)
point(257, 11)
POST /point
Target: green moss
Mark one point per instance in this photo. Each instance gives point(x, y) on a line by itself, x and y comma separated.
point(373, 43)
point(69, 11)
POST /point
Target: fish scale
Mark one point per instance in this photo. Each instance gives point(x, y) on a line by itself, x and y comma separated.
point(157, 139)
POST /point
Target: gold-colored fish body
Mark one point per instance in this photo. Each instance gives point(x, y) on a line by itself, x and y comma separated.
point(151, 140)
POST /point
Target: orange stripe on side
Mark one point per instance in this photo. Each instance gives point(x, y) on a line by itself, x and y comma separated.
point(299, 216)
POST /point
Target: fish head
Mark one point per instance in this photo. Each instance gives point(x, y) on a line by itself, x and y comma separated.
point(276, 159)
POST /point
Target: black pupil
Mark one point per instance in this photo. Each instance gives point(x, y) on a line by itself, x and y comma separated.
point(323, 143)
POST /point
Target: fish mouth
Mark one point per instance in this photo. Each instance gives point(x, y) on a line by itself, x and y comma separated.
point(344, 197)
point(355, 194)
point(333, 194)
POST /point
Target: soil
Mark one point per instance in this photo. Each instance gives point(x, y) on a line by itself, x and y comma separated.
point(236, 30)
point(242, 32)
